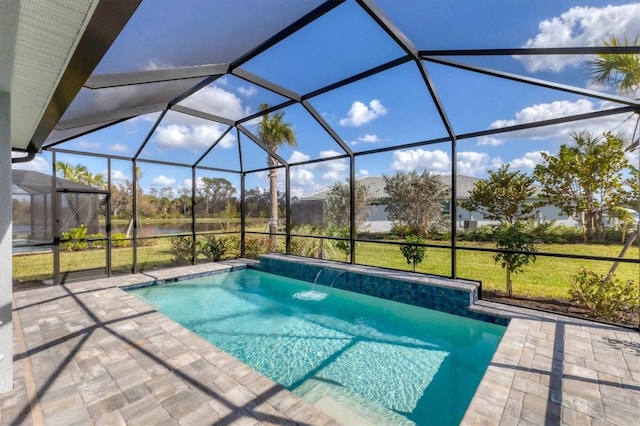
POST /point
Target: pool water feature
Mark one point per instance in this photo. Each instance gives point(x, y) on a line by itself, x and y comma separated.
point(376, 360)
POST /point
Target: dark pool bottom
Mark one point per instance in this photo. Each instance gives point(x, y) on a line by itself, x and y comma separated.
point(383, 361)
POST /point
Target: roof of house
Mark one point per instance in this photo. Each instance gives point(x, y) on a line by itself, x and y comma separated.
point(464, 185)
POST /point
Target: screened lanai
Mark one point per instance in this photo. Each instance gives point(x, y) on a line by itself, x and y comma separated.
point(174, 110)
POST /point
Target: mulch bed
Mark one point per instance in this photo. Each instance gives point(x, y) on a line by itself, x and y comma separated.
point(564, 307)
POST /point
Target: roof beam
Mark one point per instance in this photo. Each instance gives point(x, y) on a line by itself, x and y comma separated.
point(108, 19)
point(103, 81)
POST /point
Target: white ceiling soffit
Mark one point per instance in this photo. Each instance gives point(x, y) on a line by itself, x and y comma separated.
point(58, 44)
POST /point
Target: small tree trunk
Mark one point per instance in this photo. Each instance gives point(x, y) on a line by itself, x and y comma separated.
point(509, 288)
point(273, 220)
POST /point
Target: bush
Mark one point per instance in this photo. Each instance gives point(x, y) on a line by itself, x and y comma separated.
point(99, 244)
point(605, 296)
point(181, 249)
point(306, 247)
point(213, 248)
point(550, 233)
point(119, 239)
point(78, 234)
point(254, 246)
point(400, 230)
point(233, 246)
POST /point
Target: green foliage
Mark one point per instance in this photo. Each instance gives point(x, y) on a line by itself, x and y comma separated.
point(605, 296)
point(78, 234)
point(585, 179)
point(401, 230)
point(181, 249)
point(415, 200)
point(213, 248)
point(99, 243)
point(413, 252)
point(119, 239)
point(513, 236)
point(339, 204)
point(254, 246)
point(306, 247)
point(344, 246)
point(502, 196)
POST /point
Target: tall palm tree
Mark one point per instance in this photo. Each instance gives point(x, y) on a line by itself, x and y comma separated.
point(274, 131)
point(621, 70)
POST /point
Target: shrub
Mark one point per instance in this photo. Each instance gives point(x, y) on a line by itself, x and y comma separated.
point(605, 296)
point(233, 246)
point(99, 244)
point(78, 234)
point(412, 252)
point(181, 249)
point(119, 239)
point(306, 247)
point(213, 248)
point(254, 246)
point(400, 230)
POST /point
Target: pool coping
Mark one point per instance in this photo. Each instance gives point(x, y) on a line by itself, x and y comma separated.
point(547, 368)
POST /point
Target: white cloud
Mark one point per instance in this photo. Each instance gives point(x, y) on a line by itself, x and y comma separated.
point(367, 138)
point(528, 161)
point(580, 26)
point(363, 173)
point(163, 181)
point(471, 163)
point(247, 91)
point(418, 159)
point(118, 147)
point(117, 176)
point(332, 176)
point(88, 144)
point(360, 113)
point(547, 111)
point(301, 176)
point(217, 101)
point(38, 164)
point(194, 137)
point(329, 153)
point(562, 131)
point(298, 157)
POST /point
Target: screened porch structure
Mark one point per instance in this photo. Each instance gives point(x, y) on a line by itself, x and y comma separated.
point(178, 94)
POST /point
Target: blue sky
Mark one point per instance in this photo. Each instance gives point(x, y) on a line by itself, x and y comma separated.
point(387, 109)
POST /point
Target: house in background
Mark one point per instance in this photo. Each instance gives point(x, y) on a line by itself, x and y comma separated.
point(311, 209)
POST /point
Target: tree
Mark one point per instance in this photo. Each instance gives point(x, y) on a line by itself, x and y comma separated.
point(79, 173)
point(621, 70)
point(585, 180)
point(415, 200)
point(513, 236)
point(502, 196)
point(274, 131)
point(215, 192)
point(339, 204)
point(414, 252)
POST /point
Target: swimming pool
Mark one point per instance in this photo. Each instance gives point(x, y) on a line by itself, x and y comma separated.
point(383, 361)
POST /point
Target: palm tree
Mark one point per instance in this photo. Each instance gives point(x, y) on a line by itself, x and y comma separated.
point(622, 70)
point(273, 132)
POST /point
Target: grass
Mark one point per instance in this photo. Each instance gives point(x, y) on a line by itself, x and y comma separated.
point(547, 277)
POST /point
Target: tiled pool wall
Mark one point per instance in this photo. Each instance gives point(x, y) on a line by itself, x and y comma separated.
point(445, 295)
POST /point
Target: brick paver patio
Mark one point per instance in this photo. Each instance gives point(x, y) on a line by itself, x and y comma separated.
point(89, 353)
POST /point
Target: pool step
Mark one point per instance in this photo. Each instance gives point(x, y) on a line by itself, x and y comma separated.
point(346, 407)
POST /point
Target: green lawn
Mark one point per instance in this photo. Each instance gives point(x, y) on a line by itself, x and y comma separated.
point(547, 277)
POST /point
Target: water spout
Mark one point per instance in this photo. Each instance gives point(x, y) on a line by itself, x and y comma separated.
point(336, 277)
point(315, 280)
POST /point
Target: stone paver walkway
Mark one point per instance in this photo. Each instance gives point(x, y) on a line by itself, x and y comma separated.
point(89, 353)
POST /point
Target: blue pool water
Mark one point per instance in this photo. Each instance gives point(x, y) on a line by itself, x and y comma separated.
point(387, 362)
